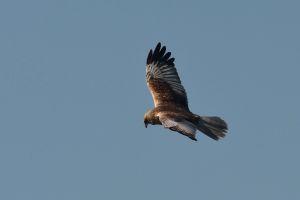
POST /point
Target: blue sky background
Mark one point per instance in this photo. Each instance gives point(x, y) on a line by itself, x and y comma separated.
point(73, 96)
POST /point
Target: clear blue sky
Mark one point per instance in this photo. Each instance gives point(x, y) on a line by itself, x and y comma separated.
point(73, 96)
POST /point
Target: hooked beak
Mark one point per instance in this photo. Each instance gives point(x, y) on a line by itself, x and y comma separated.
point(146, 124)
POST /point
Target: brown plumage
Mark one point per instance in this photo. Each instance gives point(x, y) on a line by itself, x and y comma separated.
point(170, 100)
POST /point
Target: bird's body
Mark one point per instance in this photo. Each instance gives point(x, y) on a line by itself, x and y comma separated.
point(170, 100)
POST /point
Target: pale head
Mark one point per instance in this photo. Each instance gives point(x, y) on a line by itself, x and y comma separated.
point(148, 118)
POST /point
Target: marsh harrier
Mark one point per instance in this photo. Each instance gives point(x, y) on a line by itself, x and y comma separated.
point(170, 100)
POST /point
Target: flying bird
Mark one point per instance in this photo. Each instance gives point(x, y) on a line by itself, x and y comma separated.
point(170, 100)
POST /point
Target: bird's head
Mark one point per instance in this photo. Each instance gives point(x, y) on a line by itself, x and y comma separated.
point(146, 123)
point(147, 118)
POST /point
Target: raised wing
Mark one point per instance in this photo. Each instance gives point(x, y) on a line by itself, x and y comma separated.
point(163, 80)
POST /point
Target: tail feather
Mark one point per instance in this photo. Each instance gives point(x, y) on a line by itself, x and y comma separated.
point(213, 127)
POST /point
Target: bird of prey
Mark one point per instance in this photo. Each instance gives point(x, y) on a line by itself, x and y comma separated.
point(170, 100)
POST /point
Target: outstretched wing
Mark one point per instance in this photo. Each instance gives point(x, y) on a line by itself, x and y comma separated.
point(177, 124)
point(163, 80)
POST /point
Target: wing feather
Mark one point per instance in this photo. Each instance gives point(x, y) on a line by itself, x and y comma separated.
point(163, 80)
point(179, 125)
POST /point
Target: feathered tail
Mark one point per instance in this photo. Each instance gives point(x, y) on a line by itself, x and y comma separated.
point(213, 127)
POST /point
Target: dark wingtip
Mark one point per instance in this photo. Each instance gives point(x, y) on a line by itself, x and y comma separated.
point(167, 56)
point(160, 54)
point(149, 58)
point(158, 45)
point(171, 61)
point(156, 51)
